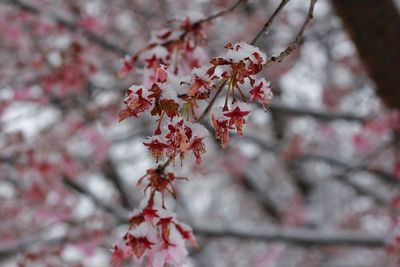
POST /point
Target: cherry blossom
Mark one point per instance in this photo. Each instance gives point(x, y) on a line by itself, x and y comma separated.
point(135, 103)
point(261, 93)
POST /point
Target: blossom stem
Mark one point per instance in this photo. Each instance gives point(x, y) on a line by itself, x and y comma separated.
point(268, 24)
point(158, 130)
point(208, 108)
point(242, 95)
point(227, 95)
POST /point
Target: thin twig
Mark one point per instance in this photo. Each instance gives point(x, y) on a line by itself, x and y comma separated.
point(278, 106)
point(296, 42)
point(211, 103)
point(194, 26)
point(100, 40)
point(268, 24)
point(118, 213)
point(222, 13)
point(72, 26)
point(297, 235)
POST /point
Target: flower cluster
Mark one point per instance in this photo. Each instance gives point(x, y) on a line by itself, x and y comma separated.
point(182, 137)
point(177, 103)
point(156, 235)
point(161, 182)
point(180, 39)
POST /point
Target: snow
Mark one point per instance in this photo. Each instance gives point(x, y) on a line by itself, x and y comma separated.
point(244, 50)
point(198, 130)
point(169, 92)
point(242, 106)
point(218, 113)
point(201, 72)
point(158, 51)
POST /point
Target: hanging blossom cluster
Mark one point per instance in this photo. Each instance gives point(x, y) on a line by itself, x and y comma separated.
point(178, 103)
point(155, 233)
point(176, 46)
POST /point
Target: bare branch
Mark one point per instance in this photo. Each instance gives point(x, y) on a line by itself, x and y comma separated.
point(223, 12)
point(110, 172)
point(250, 182)
point(343, 176)
point(296, 42)
point(268, 24)
point(211, 103)
point(72, 26)
point(280, 108)
point(117, 212)
point(301, 236)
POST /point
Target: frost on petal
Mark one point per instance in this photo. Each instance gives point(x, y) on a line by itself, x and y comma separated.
point(161, 74)
point(156, 53)
point(198, 130)
point(201, 72)
point(156, 148)
point(242, 51)
point(187, 233)
point(200, 89)
point(261, 92)
point(196, 136)
point(135, 103)
point(117, 256)
point(237, 116)
point(198, 148)
point(126, 67)
point(177, 252)
point(221, 126)
point(168, 92)
point(158, 259)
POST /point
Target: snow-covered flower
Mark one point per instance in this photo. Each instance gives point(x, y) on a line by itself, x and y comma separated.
point(184, 137)
point(221, 126)
point(155, 235)
point(135, 103)
point(261, 92)
point(237, 116)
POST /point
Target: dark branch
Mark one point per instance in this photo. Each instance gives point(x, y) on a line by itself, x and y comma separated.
point(268, 24)
point(110, 172)
point(296, 42)
point(223, 12)
point(304, 237)
point(118, 213)
point(72, 26)
point(374, 27)
point(280, 108)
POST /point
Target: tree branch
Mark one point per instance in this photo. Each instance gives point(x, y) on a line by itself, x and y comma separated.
point(117, 212)
point(374, 27)
point(295, 43)
point(72, 26)
point(280, 108)
point(300, 236)
point(268, 24)
point(223, 12)
point(342, 177)
point(110, 172)
point(250, 182)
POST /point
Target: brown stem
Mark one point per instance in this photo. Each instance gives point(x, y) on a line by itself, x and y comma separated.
point(268, 24)
point(222, 13)
point(208, 108)
point(296, 41)
point(195, 25)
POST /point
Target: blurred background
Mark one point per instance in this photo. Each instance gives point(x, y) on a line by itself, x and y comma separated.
point(313, 182)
